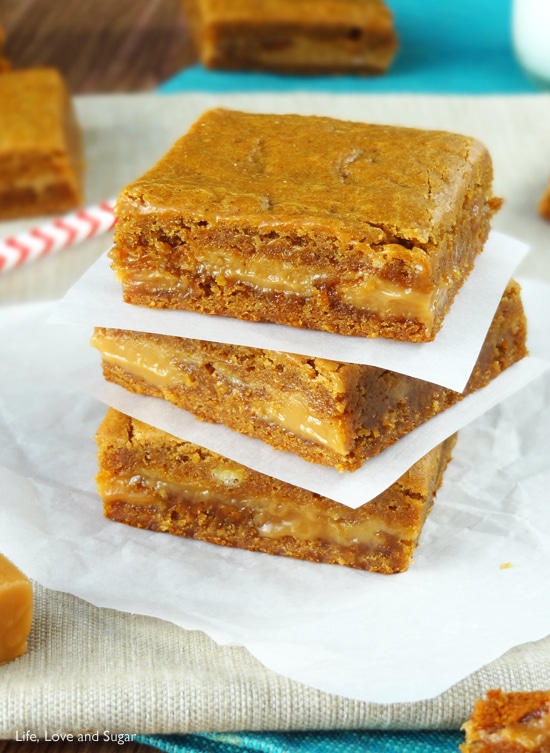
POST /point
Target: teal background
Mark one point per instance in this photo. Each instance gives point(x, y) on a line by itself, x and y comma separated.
point(309, 742)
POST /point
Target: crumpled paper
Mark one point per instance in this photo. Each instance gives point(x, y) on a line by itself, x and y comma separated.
point(478, 585)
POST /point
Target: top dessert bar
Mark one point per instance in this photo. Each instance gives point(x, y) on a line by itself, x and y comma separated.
point(40, 145)
point(308, 221)
point(290, 36)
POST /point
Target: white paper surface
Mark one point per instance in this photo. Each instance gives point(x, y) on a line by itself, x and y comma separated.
point(96, 300)
point(478, 586)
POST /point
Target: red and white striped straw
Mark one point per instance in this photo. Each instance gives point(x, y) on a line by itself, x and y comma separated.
point(58, 234)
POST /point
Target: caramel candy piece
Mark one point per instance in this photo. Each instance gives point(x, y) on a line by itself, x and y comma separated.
point(544, 204)
point(15, 611)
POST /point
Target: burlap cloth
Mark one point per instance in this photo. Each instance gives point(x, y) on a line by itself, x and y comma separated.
point(98, 669)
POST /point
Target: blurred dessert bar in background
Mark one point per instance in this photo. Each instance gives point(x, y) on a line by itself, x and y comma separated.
point(293, 36)
point(41, 161)
point(513, 722)
point(308, 221)
point(150, 479)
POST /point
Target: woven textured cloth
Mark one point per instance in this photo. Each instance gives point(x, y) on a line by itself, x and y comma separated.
point(101, 669)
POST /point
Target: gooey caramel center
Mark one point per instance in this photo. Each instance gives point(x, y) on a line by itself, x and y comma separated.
point(146, 361)
point(362, 291)
point(273, 518)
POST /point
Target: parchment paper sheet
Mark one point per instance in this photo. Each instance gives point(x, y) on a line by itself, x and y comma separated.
point(149, 676)
point(485, 548)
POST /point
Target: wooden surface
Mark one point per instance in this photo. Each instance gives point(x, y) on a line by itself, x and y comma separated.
point(100, 46)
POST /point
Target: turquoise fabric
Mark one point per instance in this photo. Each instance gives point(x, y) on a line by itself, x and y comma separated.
point(309, 742)
point(445, 47)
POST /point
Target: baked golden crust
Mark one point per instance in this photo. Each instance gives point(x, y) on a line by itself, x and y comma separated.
point(150, 479)
point(293, 36)
point(41, 159)
point(308, 221)
point(512, 722)
point(336, 414)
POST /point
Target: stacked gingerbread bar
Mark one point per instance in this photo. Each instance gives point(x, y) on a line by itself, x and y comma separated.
point(309, 222)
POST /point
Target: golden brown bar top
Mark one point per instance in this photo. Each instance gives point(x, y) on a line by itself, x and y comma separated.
point(314, 222)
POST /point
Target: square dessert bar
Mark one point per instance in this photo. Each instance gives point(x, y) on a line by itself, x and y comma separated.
point(336, 414)
point(41, 158)
point(293, 36)
point(307, 221)
point(149, 479)
point(510, 722)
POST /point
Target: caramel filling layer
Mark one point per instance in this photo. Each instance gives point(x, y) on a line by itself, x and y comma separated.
point(371, 293)
point(294, 415)
point(153, 365)
point(140, 359)
point(273, 518)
